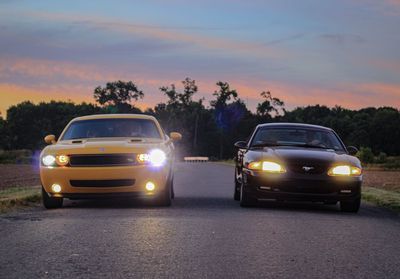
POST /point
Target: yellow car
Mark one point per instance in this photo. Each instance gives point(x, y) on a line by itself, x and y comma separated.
point(108, 155)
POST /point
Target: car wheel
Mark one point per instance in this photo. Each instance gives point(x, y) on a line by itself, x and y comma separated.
point(245, 199)
point(49, 202)
point(236, 193)
point(164, 198)
point(352, 206)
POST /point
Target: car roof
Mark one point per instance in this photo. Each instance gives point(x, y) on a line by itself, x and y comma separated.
point(115, 116)
point(293, 125)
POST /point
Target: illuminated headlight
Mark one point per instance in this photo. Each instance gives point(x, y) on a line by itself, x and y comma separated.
point(156, 157)
point(48, 160)
point(272, 167)
point(267, 166)
point(344, 170)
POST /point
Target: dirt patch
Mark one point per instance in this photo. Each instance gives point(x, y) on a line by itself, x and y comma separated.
point(387, 180)
point(18, 176)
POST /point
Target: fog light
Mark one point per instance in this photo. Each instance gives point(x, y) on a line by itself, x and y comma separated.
point(150, 186)
point(56, 188)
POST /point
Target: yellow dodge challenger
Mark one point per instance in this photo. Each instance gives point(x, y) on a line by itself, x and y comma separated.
point(108, 155)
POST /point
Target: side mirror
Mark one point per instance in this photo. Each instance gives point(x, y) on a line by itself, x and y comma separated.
point(50, 139)
point(240, 144)
point(352, 150)
point(175, 136)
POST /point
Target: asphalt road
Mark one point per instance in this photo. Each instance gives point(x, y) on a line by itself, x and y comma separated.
point(205, 234)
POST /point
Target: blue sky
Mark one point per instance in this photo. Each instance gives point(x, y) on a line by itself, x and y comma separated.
point(305, 52)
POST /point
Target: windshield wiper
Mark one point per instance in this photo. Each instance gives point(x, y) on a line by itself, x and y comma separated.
point(265, 144)
point(311, 146)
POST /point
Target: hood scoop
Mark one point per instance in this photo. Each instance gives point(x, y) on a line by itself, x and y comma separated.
point(136, 140)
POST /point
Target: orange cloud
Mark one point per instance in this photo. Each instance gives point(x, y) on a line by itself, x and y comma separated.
point(11, 94)
point(52, 69)
point(353, 96)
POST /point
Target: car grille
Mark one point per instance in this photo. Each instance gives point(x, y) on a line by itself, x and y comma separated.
point(102, 183)
point(308, 168)
point(95, 160)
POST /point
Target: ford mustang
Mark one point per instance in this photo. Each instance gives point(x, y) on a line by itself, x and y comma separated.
point(297, 162)
point(108, 155)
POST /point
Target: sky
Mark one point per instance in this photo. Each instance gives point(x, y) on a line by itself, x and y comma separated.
point(339, 52)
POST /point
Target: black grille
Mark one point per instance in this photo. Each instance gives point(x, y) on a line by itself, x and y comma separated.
point(308, 168)
point(102, 160)
point(102, 183)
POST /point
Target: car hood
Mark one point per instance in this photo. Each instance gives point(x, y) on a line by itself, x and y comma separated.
point(104, 146)
point(306, 156)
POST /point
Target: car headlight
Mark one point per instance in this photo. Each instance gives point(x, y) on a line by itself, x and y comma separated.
point(156, 157)
point(344, 170)
point(267, 166)
point(48, 160)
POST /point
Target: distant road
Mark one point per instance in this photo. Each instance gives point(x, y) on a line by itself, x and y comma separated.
point(205, 234)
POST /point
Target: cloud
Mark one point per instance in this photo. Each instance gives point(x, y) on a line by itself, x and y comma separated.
point(341, 38)
point(161, 33)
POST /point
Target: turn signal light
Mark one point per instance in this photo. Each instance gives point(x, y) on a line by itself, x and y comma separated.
point(62, 160)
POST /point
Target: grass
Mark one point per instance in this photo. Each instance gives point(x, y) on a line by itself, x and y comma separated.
point(383, 198)
point(18, 196)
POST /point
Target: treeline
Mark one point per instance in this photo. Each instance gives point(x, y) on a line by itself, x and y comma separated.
point(208, 129)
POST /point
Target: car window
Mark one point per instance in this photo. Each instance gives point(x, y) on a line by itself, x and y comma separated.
point(297, 137)
point(105, 128)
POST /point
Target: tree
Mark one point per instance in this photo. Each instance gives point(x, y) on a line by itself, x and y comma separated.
point(28, 123)
point(182, 113)
point(227, 115)
point(4, 133)
point(223, 95)
point(118, 94)
point(270, 104)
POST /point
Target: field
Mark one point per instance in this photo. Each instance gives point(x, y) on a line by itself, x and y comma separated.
point(18, 176)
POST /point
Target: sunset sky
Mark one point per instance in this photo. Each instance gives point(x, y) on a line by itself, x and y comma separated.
point(339, 52)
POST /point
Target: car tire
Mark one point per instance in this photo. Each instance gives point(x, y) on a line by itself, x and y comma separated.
point(172, 189)
point(352, 206)
point(245, 199)
point(236, 193)
point(49, 202)
point(164, 198)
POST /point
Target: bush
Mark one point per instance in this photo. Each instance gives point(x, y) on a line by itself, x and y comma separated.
point(382, 158)
point(365, 155)
point(392, 163)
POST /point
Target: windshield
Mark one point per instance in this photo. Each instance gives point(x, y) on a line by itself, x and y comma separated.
point(107, 128)
point(302, 137)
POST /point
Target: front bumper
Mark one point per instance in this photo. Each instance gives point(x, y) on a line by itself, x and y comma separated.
point(139, 175)
point(301, 187)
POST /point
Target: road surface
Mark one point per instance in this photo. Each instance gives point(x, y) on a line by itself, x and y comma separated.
point(205, 234)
